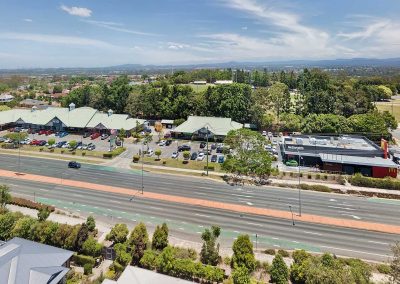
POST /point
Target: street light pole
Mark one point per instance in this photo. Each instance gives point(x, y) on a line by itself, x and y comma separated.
point(142, 167)
point(298, 153)
point(207, 150)
point(290, 207)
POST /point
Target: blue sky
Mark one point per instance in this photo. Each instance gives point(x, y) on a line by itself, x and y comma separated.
point(51, 33)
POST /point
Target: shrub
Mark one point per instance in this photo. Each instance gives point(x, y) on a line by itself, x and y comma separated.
point(149, 259)
point(117, 267)
point(309, 176)
point(283, 253)
point(107, 155)
point(164, 162)
point(383, 268)
point(83, 154)
point(385, 183)
point(136, 158)
point(227, 260)
point(41, 149)
point(81, 259)
point(30, 204)
point(62, 151)
point(269, 251)
point(210, 168)
point(87, 269)
point(183, 253)
point(51, 150)
point(325, 177)
point(317, 176)
point(315, 187)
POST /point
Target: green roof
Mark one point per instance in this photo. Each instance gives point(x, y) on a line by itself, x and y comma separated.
point(219, 126)
point(84, 117)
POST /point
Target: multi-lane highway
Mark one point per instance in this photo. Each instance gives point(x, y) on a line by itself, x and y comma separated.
point(188, 221)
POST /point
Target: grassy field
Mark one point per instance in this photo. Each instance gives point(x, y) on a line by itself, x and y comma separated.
point(199, 88)
point(173, 163)
point(392, 107)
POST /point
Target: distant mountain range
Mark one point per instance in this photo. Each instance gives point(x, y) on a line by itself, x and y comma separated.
point(271, 65)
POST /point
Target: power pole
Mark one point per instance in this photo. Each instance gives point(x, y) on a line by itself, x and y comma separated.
point(207, 150)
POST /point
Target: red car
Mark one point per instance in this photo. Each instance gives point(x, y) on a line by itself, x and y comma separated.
point(48, 132)
point(95, 135)
point(42, 132)
point(35, 142)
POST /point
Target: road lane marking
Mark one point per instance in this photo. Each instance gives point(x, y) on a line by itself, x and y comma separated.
point(379, 243)
point(312, 233)
point(343, 208)
point(356, 251)
point(249, 203)
point(241, 195)
point(353, 216)
point(332, 200)
point(275, 238)
point(254, 224)
point(202, 215)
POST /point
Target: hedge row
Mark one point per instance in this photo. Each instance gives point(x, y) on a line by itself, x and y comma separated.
point(385, 183)
point(81, 259)
point(315, 187)
point(30, 204)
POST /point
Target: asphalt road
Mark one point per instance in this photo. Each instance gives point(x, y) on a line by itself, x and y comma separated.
point(187, 222)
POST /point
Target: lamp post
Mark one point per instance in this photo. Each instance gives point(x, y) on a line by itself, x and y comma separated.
point(207, 150)
point(298, 153)
point(142, 167)
point(290, 207)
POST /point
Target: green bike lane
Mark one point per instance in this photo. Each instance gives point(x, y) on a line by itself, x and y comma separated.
point(178, 226)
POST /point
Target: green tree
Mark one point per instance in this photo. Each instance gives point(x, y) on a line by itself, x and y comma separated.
point(5, 196)
point(57, 89)
point(43, 214)
point(160, 237)
point(241, 276)
point(7, 222)
point(147, 139)
point(22, 228)
point(62, 235)
point(121, 254)
point(243, 254)
point(299, 266)
point(121, 136)
point(118, 233)
point(186, 155)
point(82, 236)
point(149, 259)
point(395, 263)
point(210, 250)
point(137, 242)
point(43, 232)
point(158, 153)
point(51, 141)
point(165, 261)
point(72, 143)
point(91, 223)
point(92, 247)
point(279, 270)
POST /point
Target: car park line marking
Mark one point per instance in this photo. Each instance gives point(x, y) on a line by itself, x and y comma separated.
point(275, 213)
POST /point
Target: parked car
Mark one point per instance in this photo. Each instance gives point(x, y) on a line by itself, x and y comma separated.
point(200, 157)
point(213, 146)
point(150, 152)
point(95, 135)
point(221, 159)
point(2, 139)
point(74, 165)
point(220, 149)
point(292, 163)
point(17, 129)
point(32, 131)
point(42, 143)
point(202, 145)
point(169, 142)
point(175, 155)
point(264, 133)
point(118, 142)
point(104, 136)
point(48, 132)
point(148, 130)
point(62, 134)
point(214, 158)
point(162, 143)
point(184, 148)
point(193, 156)
point(91, 147)
point(86, 134)
point(60, 144)
point(42, 132)
point(26, 141)
point(167, 135)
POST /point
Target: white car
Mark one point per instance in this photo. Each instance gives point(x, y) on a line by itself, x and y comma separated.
point(175, 155)
point(26, 141)
point(66, 145)
point(264, 133)
point(201, 156)
point(150, 152)
point(162, 143)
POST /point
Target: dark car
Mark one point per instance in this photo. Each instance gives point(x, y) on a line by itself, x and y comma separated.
point(221, 159)
point(220, 149)
point(202, 145)
point(184, 148)
point(104, 136)
point(148, 130)
point(168, 142)
point(42, 143)
point(213, 146)
point(74, 165)
point(86, 134)
point(193, 156)
point(214, 158)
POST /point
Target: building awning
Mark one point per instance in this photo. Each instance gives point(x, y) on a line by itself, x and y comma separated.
point(167, 121)
point(357, 160)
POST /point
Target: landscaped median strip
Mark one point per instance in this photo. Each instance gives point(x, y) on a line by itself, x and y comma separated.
point(384, 228)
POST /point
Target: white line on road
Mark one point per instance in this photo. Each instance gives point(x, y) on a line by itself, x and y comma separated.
point(77, 195)
point(379, 243)
point(356, 251)
point(354, 216)
point(332, 200)
point(254, 224)
point(199, 232)
point(343, 208)
point(296, 242)
point(114, 201)
point(156, 208)
point(275, 238)
point(237, 232)
point(202, 215)
point(277, 246)
point(241, 195)
point(200, 226)
point(312, 233)
point(249, 203)
point(181, 229)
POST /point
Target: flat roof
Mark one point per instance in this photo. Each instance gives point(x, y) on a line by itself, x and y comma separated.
point(363, 161)
point(337, 142)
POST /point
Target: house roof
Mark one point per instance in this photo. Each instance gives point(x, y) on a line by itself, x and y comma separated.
point(32, 102)
point(77, 118)
point(217, 125)
point(167, 121)
point(136, 275)
point(363, 161)
point(23, 261)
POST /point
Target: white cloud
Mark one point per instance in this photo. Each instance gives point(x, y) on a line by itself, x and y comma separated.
point(77, 11)
point(244, 28)
point(28, 20)
point(117, 27)
point(57, 39)
point(370, 30)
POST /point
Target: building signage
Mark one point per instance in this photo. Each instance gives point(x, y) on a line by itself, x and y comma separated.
point(295, 148)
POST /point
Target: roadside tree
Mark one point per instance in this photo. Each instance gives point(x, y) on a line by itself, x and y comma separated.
point(279, 271)
point(210, 250)
point(160, 237)
point(241, 276)
point(118, 233)
point(137, 242)
point(158, 153)
point(243, 254)
point(91, 247)
point(5, 196)
point(91, 223)
point(121, 136)
point(395, 263)
point(43, 214)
